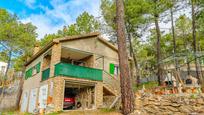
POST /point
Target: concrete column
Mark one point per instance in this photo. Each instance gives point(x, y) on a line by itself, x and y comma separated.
point(99, 95)
point(58, 93)
point(55, 57)
point(90, 61)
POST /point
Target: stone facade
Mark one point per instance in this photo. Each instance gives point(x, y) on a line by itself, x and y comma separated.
point(58, 93)
point(55, 57)
point(99, 94)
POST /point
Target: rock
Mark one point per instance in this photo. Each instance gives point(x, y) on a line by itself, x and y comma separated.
point(179, 113)
point(186, 101)
point(175, 105)
point(200, 101)
point(145, 102)
point(185, 109)
point(172, 108)
point(154, 103)
point(200, 110)
point(165, 103)
point(202, 95)
point(165, 113)
point(194, 113)
point(152, 109)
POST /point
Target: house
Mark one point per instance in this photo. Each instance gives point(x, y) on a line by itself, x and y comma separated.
point(83, 67)
point(3, 67)
point(185, 70)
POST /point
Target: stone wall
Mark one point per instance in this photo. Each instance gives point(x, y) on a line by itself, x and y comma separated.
point(58, 93)
point(55, 57)
point(183, 104)
point(99, 94)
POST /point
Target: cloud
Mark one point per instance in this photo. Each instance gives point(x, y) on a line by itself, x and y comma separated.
point(43, 24)
point(29, 3)
point(61, 13)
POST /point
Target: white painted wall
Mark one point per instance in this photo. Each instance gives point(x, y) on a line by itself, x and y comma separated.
point(3, 67)
point(32, 100)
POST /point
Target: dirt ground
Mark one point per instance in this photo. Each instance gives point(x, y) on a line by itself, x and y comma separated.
point(79, 112)
point(89, 113)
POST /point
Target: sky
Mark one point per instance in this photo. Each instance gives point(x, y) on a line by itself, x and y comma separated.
point(50, 15)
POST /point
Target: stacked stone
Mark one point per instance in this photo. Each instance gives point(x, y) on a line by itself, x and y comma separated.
point(170, 104)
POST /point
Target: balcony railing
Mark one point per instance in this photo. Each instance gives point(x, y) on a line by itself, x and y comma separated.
point(45, 74)
point(69, 70)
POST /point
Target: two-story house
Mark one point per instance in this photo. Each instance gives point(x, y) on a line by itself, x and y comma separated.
point(83, 68)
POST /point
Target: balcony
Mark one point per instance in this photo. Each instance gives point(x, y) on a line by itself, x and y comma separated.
point(69, 70)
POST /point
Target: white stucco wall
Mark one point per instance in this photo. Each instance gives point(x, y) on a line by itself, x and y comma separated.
point(3, 65)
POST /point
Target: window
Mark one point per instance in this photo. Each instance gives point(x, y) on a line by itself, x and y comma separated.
point(32, 71)
point(36, 69)
point(28, 73)
point(114, 69)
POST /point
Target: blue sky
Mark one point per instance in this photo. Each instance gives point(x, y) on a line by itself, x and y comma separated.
point(50, 15)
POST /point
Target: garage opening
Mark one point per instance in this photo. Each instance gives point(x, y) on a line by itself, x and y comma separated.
point(78, 97)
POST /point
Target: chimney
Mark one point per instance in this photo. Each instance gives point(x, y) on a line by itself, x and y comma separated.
point(36, 49)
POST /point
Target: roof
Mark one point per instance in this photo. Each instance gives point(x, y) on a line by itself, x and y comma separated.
point(70, 38)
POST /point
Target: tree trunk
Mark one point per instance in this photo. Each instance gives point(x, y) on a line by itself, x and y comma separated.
point(9, 63)
point(158, 46)
point(188, 65)
point(195, 42)
point(200, 59)
point(125, 79)
point(134, 58)
point(174, 38)
point(185, 47)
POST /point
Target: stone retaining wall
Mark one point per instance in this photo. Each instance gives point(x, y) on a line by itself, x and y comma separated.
point(183, 104)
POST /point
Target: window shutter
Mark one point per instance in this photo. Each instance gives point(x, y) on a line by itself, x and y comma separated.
point(112, 68)
point(38, 67)
point(28, 73)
